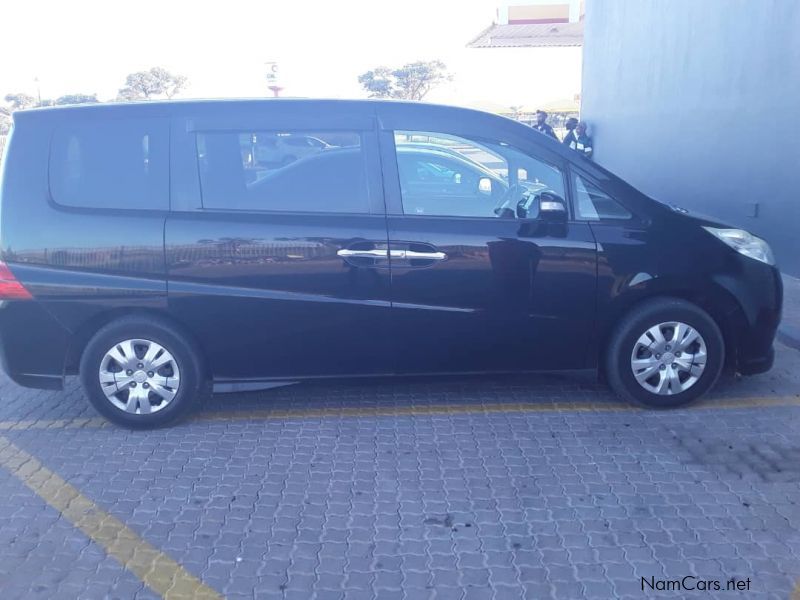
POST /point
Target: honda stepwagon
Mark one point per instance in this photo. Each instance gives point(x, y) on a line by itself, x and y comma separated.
point(149, 249)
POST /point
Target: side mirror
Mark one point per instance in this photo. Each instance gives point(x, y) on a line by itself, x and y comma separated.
point(485, 185)
point(552, 208)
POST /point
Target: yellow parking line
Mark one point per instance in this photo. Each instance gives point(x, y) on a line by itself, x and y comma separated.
point(22, 424)
point(468, 409)
point(414, 411)
point(157, 570)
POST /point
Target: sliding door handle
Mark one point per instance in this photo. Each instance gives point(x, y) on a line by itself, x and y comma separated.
point(372, 253)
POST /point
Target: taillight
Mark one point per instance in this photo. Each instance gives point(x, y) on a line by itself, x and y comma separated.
point(10, 288)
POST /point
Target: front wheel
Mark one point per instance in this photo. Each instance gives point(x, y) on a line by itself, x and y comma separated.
point(665, 353)
point(140, 372)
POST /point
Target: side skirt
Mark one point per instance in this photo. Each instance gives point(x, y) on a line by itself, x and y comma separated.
point(227, 386)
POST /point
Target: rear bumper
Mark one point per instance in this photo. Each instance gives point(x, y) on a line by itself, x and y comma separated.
point(33, 345)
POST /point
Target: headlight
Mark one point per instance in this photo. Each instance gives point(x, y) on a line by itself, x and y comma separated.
point(745, 243)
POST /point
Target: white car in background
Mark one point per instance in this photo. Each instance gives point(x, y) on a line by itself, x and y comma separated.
point(276, 150)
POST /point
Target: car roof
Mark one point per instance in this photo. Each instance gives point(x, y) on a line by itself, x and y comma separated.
point(389, 113)
point(177, 107)
point(299, 108)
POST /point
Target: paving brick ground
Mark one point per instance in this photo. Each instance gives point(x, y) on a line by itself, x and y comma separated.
point(572, 497)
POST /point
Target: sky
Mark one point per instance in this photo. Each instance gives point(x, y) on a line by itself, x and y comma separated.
point(88, 46)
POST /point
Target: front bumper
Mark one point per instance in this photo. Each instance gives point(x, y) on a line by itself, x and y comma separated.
point(758, 290)
point(758, 364)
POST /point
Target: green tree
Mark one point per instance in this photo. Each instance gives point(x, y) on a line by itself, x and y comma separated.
point(76, 99)
point(5, 120)
point(415, 80)
point(378, 82)
point(146, 85)
point(20, 101)
point(412, 81)
point(171, 84)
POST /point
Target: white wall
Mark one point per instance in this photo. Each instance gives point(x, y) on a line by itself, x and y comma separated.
point(697, 102)
point(512, 76)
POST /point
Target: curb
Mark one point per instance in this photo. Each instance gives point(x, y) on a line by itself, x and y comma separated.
point(789, 329)
point(789, 335)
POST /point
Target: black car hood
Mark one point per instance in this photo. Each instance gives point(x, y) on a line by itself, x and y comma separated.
point(700, 218)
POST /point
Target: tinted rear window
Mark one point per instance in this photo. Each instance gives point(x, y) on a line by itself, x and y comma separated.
point(111, 164)
point(283, 171)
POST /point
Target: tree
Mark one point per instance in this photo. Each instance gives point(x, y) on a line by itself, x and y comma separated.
point(5, 120)
point(417, 79)
point(412, 81)
point(378, 82)
point(144, 85)
point(20, 101)
point(76, 99)
point(171, 84)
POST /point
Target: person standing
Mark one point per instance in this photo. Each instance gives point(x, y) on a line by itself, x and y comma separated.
point(570, 139)
point(583, 142)
point(542, 126)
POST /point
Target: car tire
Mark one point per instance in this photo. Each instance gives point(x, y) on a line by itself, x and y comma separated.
point(667, 371)
point(130, 388)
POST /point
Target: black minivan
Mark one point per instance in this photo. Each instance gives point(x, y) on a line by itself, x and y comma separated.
point(154, 247)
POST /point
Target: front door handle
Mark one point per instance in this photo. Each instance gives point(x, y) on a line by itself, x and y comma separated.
point(414, 255)
point(423, 255)
point(379, 257)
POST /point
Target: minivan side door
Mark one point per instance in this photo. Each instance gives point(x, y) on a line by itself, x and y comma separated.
point(276, 265)
point(479, 282)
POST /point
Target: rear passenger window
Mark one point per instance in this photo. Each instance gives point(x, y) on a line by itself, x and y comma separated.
point(111, 164)
point(290, 171)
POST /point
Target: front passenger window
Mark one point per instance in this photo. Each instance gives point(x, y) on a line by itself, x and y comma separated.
point(443, 176)
point(447, 175)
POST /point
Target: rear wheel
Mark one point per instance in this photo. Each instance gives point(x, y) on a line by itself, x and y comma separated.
point(140, 372)
point(666, 353)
